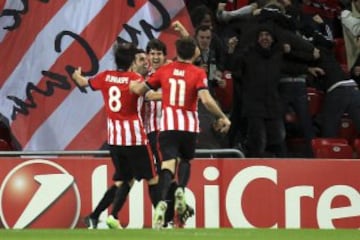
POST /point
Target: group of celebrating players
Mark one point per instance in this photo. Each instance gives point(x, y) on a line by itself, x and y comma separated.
point(152, 123)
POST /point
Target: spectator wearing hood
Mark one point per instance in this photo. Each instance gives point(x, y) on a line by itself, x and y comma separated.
point(258, 68)
point(283, 17)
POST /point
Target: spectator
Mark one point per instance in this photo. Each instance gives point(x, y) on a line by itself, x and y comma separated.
point(261, 104)
point(211, 60)
point(259, 68)
point(283, 28)
point(203, 21)
point(293, 90)
point(328, 10)
point(341, 92)
point(350, 20)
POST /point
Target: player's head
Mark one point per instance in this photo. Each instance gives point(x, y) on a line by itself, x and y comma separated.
point(156, 51)
point(140, 63)
point(124, 55)
point(185, 48)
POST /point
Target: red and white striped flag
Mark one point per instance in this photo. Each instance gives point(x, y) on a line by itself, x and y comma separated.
point(42, 41)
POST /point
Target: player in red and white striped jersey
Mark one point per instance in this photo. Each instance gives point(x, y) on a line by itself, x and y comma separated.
point(182, 85)
point(129, 148)
point(124, 124)
point(156, 52)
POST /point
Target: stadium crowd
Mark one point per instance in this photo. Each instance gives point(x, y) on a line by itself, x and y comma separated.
point(285, 98)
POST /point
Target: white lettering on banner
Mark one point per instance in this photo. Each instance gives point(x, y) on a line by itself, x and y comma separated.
point(234, 195)
point(211, 199)
point(326, 213)
point(293, 204)
point(98, 187)
point(236, 190)
point(136, 197)
point(136, 200)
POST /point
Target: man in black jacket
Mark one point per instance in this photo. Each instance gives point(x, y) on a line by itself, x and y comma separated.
point(259, 69)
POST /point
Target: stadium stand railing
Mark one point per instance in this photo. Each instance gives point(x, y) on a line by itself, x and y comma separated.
point(208, 153)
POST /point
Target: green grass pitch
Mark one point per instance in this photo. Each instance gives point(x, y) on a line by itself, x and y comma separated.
point(177, 234)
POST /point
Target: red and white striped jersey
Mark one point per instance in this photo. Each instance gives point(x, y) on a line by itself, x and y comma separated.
point(124, 122)
point(152, 115)
point(152, 112)
point(180, 83)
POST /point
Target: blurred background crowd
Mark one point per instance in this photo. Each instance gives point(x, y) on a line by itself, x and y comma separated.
point(295, 95)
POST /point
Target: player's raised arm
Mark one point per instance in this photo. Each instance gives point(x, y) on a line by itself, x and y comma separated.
point(79, 78)
point(178, 27)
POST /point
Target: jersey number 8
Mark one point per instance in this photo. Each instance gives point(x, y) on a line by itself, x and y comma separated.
point(114, 99)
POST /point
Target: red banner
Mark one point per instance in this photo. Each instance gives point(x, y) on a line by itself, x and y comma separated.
point(42, 42)
point(266, 193)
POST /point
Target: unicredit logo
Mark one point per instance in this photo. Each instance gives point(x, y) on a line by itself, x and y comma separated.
point(39, 194)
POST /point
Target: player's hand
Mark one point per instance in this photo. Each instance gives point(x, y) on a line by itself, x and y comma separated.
point(222, 125)
point(76, 73)
point(178, 27)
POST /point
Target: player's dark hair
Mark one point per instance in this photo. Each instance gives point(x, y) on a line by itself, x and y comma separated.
point(124, 55)
point(185, 47)
point(156, 44)
point(139, 50)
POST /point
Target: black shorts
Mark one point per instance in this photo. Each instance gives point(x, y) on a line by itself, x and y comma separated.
point(153, 139)
point(175, 144)
point(132, 162)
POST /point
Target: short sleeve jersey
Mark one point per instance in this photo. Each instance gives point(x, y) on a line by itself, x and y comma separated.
point(124, 123)
point(180, 83)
